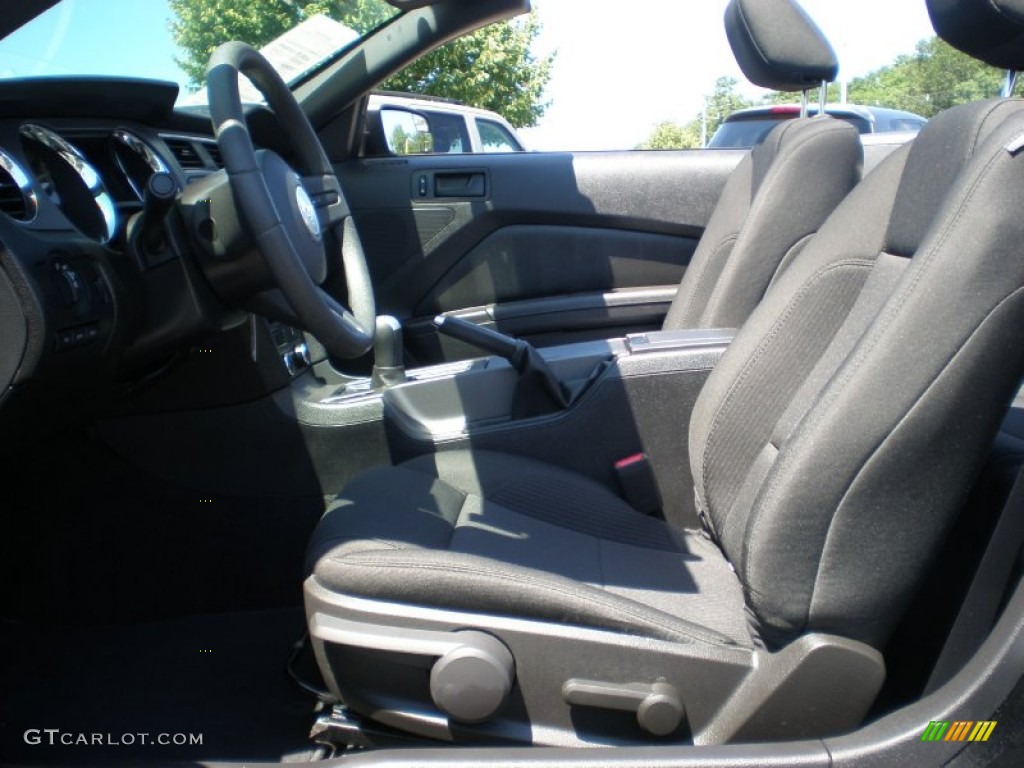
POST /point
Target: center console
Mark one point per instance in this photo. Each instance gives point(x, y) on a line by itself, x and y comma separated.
point(622, 397)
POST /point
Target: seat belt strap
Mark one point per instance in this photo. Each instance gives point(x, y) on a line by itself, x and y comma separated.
point(638, 483)
point(984, 597)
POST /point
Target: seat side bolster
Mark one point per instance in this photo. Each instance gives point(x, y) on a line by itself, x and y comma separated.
point(466, 582)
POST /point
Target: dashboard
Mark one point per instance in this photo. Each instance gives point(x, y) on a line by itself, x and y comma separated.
point(76, 156)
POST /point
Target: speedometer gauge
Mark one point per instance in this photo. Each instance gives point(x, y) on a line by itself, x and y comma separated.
point(70, 182)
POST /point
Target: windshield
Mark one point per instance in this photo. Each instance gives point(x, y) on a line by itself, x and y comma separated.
point(172, 39)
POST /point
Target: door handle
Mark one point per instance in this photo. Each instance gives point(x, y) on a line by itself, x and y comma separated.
point(460, 184)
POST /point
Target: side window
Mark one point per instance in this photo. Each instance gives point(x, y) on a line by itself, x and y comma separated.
point(449, 131)
point(494, 137)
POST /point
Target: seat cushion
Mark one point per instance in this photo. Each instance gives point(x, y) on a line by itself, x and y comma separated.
point(502, 534)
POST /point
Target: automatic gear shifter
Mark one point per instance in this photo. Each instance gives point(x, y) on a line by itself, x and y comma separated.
point(388, 368)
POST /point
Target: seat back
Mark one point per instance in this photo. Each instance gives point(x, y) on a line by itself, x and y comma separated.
point(785, 188)
point(840, 433)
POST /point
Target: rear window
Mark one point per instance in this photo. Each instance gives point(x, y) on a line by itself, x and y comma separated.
point(905, 124)
point(495, 138)
point(449, 132)
point(746, 132)
point(743, 133)
point(862, 125)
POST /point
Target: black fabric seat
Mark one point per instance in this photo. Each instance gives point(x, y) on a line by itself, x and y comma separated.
point(782, 192)
point(774, 201)
point(581, 554)
point(831, 447)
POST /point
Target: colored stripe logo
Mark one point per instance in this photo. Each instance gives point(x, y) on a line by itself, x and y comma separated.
point(958, 730)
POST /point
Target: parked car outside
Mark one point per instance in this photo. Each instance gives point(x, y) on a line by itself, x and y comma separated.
point(445, 126)
point(746, 127)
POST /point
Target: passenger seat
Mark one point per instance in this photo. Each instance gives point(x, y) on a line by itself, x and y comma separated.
point(783, 191)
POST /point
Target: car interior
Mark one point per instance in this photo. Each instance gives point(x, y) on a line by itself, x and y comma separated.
point(699, 457)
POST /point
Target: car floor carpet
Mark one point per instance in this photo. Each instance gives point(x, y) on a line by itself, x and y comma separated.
point(220, 676)
point(85, 530)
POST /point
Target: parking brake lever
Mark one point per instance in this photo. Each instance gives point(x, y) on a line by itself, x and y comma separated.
point(538, 390)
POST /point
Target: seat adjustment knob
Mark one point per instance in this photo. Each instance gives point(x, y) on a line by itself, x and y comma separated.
point(661, 711)
point(658, 708)
point(471, 681)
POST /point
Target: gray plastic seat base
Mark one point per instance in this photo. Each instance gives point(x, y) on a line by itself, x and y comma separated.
point(378, 658)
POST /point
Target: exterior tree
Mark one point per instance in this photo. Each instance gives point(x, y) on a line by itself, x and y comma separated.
point(933, 78)
point(721, 102)
point(669, 135)
point(793, 97)
point(493, 68)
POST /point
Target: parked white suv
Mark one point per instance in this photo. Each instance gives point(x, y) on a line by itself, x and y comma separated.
point(401, 124)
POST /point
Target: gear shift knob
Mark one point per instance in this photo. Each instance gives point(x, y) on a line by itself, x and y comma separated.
point(388, 368)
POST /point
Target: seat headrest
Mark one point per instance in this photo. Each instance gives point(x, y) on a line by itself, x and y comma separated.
point(989, 30)
point(778, 46)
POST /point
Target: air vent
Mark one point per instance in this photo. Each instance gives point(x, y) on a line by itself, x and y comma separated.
point(12, 202)
point(17, 199)
point(214, 152)
point(136, 160)
point(185, 153)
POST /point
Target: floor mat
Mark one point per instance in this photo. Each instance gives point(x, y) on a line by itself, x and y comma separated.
point(221, 678)
point(111, 544)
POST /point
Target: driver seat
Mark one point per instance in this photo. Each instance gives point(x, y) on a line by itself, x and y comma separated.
point(470, 595)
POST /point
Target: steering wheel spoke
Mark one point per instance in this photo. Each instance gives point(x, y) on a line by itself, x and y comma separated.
point(325, 192)
point(287, 211)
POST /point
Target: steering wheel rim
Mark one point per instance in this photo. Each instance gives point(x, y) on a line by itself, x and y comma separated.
point(290, 241)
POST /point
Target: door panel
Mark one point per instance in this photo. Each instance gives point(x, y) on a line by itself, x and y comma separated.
point(551, 246)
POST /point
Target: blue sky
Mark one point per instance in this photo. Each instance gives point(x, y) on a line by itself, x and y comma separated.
point(95, 36)
point(621, 67)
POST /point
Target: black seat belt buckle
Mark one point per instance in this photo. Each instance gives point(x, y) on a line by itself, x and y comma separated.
point(638, 484)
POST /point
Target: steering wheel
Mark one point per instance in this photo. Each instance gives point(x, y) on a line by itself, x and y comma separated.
point(286, 212)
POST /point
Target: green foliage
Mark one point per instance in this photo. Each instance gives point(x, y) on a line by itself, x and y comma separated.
point(721, 102)
point(493, 68)
point(933, 78)
point(793, 97)
point(669, 135)
point(402, 143)
point(200, 26)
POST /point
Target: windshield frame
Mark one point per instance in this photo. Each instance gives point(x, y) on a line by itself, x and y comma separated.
point(58, 41)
